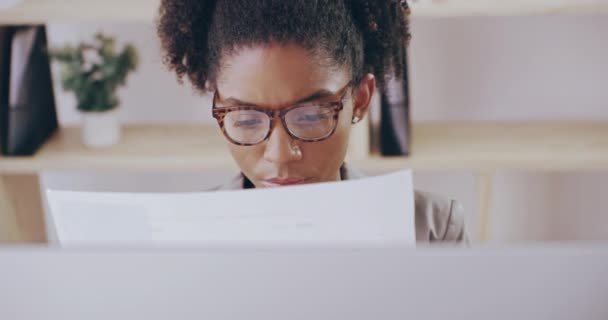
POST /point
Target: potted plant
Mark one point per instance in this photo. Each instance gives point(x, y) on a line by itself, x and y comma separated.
point(94, 71)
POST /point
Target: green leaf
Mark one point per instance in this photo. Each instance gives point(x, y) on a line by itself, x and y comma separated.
point(95, 89)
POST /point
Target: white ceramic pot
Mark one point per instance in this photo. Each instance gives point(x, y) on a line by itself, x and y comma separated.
point(100, 129)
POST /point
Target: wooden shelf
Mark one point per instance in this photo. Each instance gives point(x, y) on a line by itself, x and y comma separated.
point(446, 8)
point(43, 11)
point(436, 146)
point(39, 11)
point(149, 147)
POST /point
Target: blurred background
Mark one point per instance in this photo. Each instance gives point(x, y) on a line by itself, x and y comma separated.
point(537, 65)
point(528, 68)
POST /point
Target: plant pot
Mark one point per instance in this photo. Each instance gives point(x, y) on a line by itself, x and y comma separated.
point(100, 129)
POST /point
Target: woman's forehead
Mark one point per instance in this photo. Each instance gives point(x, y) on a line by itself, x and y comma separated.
point(276, 75)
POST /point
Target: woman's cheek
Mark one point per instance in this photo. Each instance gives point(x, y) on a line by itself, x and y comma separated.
point(246, 157)
point(331, 152)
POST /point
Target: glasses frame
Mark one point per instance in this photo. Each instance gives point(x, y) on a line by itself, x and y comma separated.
point(219, 113)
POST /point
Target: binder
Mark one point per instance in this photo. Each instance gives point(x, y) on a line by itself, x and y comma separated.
point(395, 123)
point(27, 103)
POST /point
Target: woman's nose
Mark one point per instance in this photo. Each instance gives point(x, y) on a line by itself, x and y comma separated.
point(278, 147)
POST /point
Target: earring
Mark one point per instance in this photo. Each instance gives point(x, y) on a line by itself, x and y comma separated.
point(355, 119)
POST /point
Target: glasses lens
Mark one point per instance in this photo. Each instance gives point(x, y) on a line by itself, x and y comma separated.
point(246, 126)
point(311, 122)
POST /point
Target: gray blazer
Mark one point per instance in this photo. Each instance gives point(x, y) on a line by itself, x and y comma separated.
point(438, 220)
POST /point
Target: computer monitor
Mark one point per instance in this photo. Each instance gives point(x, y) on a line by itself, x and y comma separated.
point(354, 283)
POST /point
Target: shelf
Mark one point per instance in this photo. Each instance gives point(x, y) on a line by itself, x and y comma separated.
point(436, 146)
point(446, 8)
point(146, 148)
point(43, 11)
point(39, 11)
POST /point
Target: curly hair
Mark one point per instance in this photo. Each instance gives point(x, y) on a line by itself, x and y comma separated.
point(367, 36)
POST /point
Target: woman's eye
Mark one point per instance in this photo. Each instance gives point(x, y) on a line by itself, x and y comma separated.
point(313, 117)
point(247, 122)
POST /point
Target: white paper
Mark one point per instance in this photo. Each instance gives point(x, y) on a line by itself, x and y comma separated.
point(374, 210)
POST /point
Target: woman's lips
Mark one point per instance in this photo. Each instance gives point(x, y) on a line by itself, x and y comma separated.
point(279, 182)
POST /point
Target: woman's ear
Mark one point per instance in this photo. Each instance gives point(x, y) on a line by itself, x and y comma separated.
point(362, 96)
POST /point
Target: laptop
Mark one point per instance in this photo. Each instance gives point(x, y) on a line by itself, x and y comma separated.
point(555, 282)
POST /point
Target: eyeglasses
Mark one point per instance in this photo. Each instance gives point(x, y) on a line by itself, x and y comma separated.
point(247, 125)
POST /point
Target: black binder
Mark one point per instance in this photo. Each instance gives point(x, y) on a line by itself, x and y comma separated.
point(27, 103)
point(395, 123)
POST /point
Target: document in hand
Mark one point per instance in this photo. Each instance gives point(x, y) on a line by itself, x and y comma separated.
point(374, 210)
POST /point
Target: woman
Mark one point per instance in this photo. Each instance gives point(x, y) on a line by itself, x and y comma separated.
point(289, 79)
